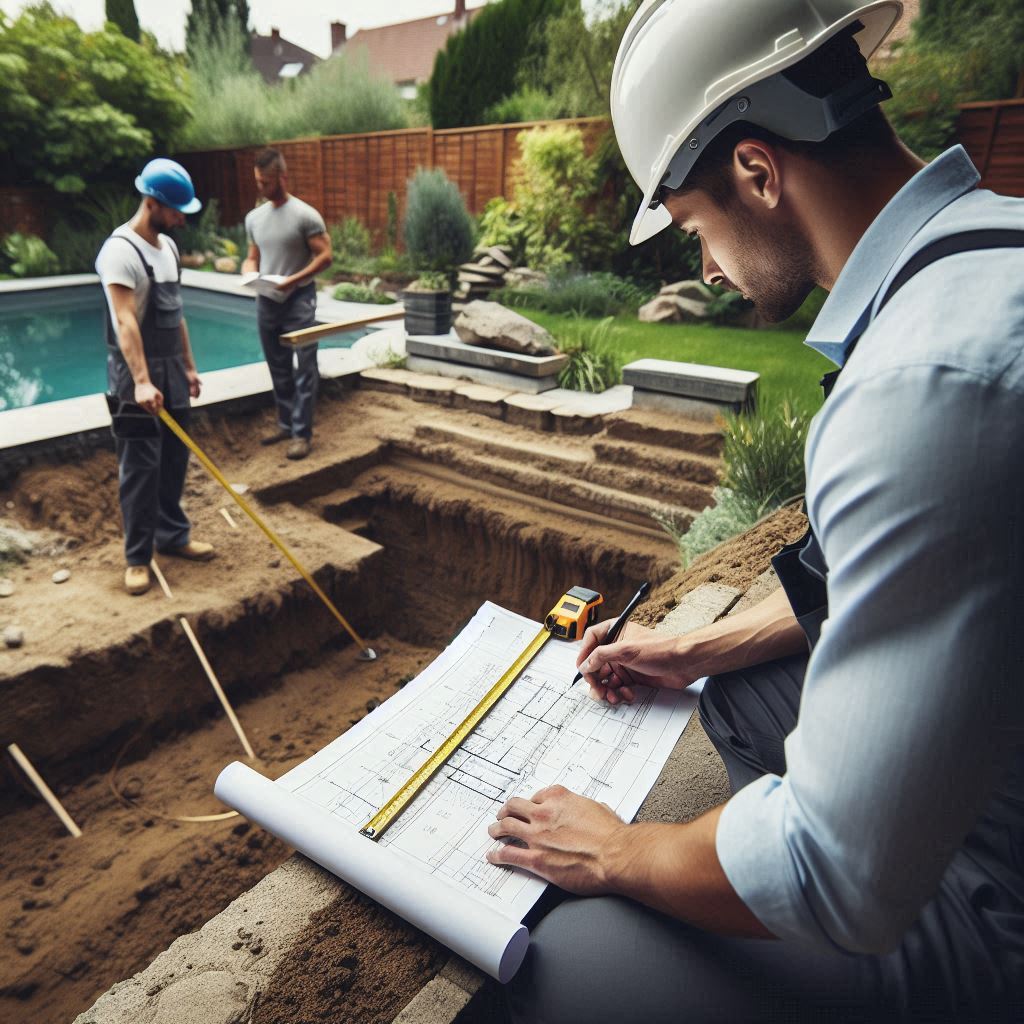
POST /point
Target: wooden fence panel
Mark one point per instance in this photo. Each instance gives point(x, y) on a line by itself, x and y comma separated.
point(351, 175)
point(993, 135)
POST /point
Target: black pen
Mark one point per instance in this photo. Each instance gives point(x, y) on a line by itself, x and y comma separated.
point(613, 634)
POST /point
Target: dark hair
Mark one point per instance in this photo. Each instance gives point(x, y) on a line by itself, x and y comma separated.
point(831, 66)
point(270, 159)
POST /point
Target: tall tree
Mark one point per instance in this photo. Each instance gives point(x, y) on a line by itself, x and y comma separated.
point(479, 65)
point(215, 18)
point(122, 14)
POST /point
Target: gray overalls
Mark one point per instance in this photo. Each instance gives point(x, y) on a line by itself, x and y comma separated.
point(151, 468)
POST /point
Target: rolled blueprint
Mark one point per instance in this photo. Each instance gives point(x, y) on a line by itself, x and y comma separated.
point(477, 932)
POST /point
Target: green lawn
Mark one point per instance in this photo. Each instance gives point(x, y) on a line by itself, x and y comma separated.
point(787, 366)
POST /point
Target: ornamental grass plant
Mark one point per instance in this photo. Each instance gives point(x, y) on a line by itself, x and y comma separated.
point(594, 363)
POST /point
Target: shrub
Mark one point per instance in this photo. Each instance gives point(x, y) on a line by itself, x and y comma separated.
point(29, 256)
point(346, 292)
point(431, 281)
point(499, 225)
point(233, 106)
point(728, 516)
point(728, 307)
point(76, 105)
point(554, 202)
point(350, 243)
point(594, 365)
point(525, 104)
point(588, 295)
point(764, 455)
point(199, 233)
point(438, 228)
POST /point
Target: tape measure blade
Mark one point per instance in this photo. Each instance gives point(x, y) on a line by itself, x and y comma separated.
point(406, 793)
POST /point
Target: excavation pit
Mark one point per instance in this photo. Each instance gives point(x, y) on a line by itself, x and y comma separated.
point(409, 516)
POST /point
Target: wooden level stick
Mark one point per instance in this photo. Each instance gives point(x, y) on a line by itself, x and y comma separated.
point(227, 515)
point(309, 335)
point(217, 689)
point(44, 790)
point(160, 579)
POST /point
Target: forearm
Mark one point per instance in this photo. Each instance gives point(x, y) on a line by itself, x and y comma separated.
point(765, 632)
point(675, 869)
point(319, 262)
point(129, 340)
point(186, 347)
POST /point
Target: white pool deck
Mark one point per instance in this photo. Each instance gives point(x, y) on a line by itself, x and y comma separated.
point(51, 421)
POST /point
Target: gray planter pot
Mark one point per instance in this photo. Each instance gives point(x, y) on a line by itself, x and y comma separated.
point(427, 312)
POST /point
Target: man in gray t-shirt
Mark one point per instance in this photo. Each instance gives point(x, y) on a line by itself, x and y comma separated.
point(287, 237)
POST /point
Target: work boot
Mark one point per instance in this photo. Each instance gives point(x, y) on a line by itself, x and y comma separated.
point(136, 579)
point(194, 550)
point(299, 448)
point(279, 434)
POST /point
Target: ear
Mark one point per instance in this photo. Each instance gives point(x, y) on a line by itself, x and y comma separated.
point(757, 170)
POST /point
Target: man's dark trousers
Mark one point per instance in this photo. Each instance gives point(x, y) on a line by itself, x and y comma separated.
point(610, 959)
point(294, 373)
point(151, 477)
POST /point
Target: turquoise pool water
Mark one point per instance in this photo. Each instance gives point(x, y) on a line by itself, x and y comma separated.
point(51, 341)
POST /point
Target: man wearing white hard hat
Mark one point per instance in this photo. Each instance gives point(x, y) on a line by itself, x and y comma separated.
point(150, 367)
point(869, 864)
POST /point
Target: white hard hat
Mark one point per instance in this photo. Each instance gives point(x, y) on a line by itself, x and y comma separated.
point(686, 69)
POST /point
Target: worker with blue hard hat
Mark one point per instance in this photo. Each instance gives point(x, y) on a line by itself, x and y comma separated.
point(149, 367)
point(168, 183)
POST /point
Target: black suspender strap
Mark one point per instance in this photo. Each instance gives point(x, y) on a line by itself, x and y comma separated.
point(965, 241)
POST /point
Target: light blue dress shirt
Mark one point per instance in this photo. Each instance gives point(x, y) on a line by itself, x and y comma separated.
point(912, 714)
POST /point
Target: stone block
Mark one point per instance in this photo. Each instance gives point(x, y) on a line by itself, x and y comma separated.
point(700, 607)
point(692, 380)
point(432, 388)
point(479, 375)
point(532, 411)
point(568, 419)
point(688, 408)
point(381, 379)
point(455, 351)
point(765, 584)
point(480, 398)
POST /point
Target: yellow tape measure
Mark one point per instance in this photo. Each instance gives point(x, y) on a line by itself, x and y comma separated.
point(576, 610)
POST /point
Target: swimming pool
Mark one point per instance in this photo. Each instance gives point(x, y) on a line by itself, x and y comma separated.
point(52, 347)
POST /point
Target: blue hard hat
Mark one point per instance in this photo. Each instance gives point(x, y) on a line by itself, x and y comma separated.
point(168, 183)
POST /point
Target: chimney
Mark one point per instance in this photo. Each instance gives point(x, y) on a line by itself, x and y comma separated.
point(460, 9)
point(275, 33)
point(338, 34)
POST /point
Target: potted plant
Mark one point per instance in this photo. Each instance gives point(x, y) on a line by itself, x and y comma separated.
point(428, 305)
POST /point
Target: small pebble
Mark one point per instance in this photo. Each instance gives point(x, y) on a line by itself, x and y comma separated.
point(61, 576)
point(274, 563)
point(6, 588)
point(372, 704)
point(240, 488)
point(14, 636)
point(10, 504)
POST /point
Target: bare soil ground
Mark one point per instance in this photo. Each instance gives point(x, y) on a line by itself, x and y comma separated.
point(410, 516)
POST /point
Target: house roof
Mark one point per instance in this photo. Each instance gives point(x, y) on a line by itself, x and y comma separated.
point(405, 52)
point(270, 54)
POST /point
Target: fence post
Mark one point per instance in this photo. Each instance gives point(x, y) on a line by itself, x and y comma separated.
point(430, 146)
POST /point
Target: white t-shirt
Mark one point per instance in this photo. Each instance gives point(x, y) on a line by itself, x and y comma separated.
point(118, 263)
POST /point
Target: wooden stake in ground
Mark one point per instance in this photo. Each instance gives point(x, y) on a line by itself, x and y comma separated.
point(44, 790)
point(227, 515)
point(217, 689)
point(160, 579)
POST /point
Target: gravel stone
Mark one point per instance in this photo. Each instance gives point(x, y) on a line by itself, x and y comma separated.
point(14, 636)
point(61, 576)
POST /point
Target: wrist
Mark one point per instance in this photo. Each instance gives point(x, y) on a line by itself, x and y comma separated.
point(615, 858)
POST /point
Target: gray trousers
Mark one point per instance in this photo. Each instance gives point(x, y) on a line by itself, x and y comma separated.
point(151, 478)
point(294, 373)
point(609, 959)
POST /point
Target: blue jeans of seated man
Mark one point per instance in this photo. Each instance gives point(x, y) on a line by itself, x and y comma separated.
point(294, 373)
point(607, 958)
point(151, 478)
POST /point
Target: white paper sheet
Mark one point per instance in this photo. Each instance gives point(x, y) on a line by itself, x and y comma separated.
point(266, 285)
point(432, 868)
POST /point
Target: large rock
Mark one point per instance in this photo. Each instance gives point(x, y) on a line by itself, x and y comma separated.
point(695, 290)
point(491, 325)
point(673, 309)
point(226, 265)
point(524, 277)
